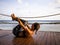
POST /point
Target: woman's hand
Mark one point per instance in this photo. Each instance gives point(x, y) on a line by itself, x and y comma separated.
point(13, 16)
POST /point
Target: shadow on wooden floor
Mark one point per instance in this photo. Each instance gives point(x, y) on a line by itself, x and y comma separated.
point(42, 38)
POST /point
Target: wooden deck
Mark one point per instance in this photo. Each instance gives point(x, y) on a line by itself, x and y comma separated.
point(42, 38)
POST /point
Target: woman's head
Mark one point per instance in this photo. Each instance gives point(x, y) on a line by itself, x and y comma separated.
point(35, 26)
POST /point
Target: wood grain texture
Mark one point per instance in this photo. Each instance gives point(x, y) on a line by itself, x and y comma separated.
point(41, 38)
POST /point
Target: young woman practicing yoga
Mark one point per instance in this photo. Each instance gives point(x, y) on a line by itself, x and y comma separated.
point(23, 29)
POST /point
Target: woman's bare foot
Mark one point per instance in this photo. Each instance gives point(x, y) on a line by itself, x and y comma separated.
point(13, 16)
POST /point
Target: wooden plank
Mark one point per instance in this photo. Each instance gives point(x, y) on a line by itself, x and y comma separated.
point(41, 38)
point(44, 38)
point(53, 42)
point(4, 32)
point(57, 38)
point(48, 42)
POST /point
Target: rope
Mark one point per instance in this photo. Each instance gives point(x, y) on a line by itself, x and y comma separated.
point(4, 15)
point(33, 17)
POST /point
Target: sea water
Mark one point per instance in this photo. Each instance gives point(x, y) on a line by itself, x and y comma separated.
point(43, 27)
point(46, 26)
point(7, 26)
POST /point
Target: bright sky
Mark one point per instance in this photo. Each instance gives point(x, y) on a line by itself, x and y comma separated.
point(31, 8)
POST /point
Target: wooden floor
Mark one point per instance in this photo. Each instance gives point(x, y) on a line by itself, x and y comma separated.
point(42, 38)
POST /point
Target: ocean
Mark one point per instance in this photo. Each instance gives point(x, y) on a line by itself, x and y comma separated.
point(6, 25)
point(31, 21)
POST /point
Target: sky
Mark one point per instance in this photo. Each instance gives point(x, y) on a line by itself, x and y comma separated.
point(30, 8)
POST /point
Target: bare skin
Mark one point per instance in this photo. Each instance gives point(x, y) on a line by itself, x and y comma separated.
point(26, 28)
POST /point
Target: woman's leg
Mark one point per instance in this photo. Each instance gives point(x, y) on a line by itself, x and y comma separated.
point(16, 30)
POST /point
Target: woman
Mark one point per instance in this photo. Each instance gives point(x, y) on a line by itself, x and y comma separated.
point(27, 31)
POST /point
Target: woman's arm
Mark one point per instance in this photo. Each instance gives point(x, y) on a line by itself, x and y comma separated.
point(27, 28)
point(23, 26)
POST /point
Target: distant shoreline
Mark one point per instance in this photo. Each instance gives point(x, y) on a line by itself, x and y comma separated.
point(30, 23)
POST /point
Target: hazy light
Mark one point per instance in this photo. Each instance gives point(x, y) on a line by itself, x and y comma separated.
point(19, 1)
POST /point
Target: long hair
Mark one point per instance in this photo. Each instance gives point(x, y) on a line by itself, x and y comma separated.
point(35, 26)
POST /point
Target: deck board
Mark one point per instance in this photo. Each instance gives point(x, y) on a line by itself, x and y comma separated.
point(41, 38)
